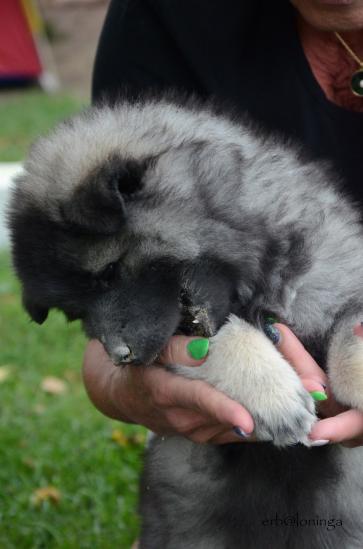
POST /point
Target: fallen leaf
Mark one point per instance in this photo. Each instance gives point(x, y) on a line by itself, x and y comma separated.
point(138, 438)
point(47, 493)
point(124, 440)
point(119, 437)
point(72, 376)
point(4, 373)
point(54, 385)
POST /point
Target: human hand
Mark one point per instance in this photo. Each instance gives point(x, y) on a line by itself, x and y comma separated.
point(337, 424)
point(160, 400)
point(170, 404)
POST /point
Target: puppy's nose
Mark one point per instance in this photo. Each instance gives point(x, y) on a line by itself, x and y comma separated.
point(122, 354)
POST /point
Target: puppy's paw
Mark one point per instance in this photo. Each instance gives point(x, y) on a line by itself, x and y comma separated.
point(286, 421)
point(345, 361)
point(245, 365)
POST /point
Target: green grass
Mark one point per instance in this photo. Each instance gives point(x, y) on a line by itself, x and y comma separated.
point(58, 440)
point(55, 440)
point(25, 115)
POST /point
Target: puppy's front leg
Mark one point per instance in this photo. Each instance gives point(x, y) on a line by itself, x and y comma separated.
point(246, 366)
point(345, 362)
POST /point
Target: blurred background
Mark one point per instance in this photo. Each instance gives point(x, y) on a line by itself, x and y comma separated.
point(68, 476)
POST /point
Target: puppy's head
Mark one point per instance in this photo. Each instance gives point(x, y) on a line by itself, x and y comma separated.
point(105, 226)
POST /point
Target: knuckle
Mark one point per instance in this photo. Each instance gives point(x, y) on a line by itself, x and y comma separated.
point(199, 394)
point(178, 422)
point(169, 354)
point(173, 417)
point(183, 423)
point(199, 437)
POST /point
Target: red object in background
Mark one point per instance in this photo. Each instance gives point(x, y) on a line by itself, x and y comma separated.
point(18, 55)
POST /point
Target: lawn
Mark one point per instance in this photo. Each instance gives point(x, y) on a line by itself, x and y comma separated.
point(26, 115)
point(68, 475)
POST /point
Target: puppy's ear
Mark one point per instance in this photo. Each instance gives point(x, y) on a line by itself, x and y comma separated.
point(36, 312)
point(98, 205)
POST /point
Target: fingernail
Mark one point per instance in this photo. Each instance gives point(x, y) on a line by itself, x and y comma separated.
point(240, 432)
point(198, 348)
point(272, 333)
point(318, 395)
point(321, 442)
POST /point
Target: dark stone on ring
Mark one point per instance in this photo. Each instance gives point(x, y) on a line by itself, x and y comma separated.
point(357, 83)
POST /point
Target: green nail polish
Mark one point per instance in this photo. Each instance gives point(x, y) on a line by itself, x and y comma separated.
point(318, 395)
point(271, 319)
point(198, 348)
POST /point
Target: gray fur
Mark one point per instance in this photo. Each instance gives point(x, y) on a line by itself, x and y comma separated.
point(198, 214)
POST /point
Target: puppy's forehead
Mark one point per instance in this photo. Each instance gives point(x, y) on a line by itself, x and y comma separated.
point(64, 158)
point(134, 250)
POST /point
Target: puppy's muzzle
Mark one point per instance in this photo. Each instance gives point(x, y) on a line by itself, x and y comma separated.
point(122, 354)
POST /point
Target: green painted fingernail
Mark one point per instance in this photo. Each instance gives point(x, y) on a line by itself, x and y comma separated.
point(198, 348)
point(318, 395)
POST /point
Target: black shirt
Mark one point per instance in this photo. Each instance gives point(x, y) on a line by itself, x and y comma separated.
point(246, 53)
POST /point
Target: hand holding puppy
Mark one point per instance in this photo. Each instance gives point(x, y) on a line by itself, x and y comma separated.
point(169, 404)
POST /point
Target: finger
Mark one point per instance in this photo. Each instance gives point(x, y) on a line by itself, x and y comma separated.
point(312, 386)
point(206, 434)
point(189, 351)
point(218, 435)
point(203, 398)
point(296, 354)
point(358, 330)
point(229, 436)
point(343, 427)
point(186, 421)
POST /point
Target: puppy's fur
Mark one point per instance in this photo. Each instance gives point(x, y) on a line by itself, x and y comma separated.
point(140, 219)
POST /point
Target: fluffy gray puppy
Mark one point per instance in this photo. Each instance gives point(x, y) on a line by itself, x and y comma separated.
point(150, 219)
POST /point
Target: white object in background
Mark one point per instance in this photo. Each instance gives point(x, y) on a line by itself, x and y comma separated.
point(8, 170)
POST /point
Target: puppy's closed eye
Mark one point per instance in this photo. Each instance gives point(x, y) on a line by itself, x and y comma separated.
point(108, 274)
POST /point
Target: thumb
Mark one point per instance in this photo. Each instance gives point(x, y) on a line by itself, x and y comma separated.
point(299, 358)
point(189, 351)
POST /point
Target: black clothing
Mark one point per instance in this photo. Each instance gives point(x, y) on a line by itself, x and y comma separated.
point(244, 52)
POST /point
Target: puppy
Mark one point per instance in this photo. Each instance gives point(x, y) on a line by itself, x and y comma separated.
point(152, 218)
